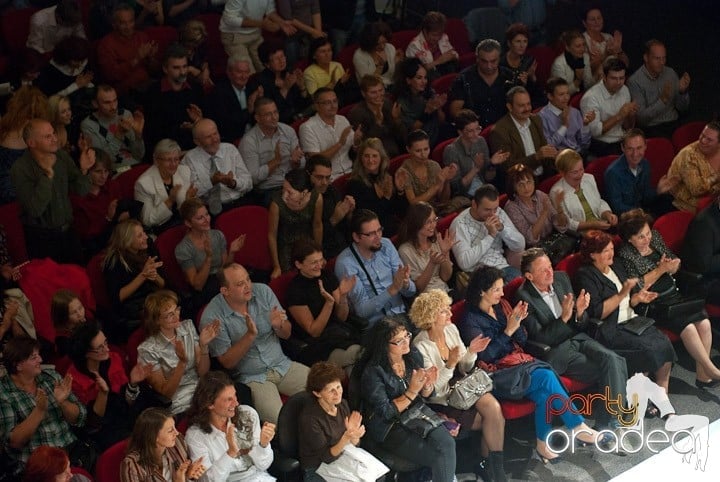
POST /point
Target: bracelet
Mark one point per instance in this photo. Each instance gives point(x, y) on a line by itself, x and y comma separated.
point(411, 399)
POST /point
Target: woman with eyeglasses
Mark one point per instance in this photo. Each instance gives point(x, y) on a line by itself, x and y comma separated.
point(177, 355)
point(318, 305)
point(295, 214)
point(394, 379)
point(100, 382)
point(426, 250)
point(203, 251)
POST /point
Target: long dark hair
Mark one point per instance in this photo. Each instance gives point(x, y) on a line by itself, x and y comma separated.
point(414, 221)
point(80, 341)
point(144, 435)
point(376, 349)
point(208, 388)
point(407, 69)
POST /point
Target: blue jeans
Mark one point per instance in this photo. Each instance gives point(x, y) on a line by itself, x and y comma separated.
point(543, 384)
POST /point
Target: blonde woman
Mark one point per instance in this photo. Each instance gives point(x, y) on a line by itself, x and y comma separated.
point(131, 273)
point(440, 344)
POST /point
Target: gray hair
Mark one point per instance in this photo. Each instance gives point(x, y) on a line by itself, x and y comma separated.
point(237, 59)
point(488, 45)
point(165, 146)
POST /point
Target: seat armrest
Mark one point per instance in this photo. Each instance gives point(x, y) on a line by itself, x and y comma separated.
point(293, 347)
point(537, 349)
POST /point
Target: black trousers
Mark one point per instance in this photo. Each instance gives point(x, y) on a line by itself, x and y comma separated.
point(62, 246)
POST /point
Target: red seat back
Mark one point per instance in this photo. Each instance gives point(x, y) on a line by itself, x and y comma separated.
point(458, 35)
point(548, 183)
point(396, 162)
point(575, 100)
point(340, 184)
point(280, 285)
point(442, 84)
point(345, 57)
point(108, 464)
point(444, 224)
point(126, 180)
point(485, 133)
point(97, 281)
point(672, 227)
point(570, 264)
point(510, 289)
point(597, 169)
point(660, 152)
point(687, 134)
point(10, 221)
point(253, 222)
point(437, 152)
point(134, 341)
point(458, 309)
point(345, 110)
point(544, 56)
point(165, 244)
point(402, 38)
point(15, 28)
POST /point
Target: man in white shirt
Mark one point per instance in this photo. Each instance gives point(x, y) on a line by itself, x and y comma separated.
point(614, 111)
point(241, 27)
point(328, 134)
point(482, 230)
point(217, 169)
point(50, 25)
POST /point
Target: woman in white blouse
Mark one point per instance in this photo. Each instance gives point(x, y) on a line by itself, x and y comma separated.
point(440, 344)
point(573, 64)
point(576, 194)
point(227, 435)
point(376, 55)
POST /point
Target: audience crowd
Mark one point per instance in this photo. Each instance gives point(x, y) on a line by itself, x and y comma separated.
point(299, 222)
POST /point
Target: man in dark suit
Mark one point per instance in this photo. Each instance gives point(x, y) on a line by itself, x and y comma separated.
point(553, 315)
point(230, 104)
point(520, 133)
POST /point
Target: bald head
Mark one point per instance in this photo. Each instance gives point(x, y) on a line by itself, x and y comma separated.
point(39, 135)
point(206, 136)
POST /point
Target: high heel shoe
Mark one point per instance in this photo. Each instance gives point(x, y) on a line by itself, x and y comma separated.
point(711, 384)
point(546, 460)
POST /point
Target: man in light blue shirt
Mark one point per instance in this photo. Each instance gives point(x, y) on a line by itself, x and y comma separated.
point(564, 126)
point(382, 280)
point(248, 345)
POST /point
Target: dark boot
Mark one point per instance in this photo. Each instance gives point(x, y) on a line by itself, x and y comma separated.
point(497, 467)
point(483, 471)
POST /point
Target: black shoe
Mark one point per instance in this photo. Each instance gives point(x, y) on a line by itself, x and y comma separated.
point(497, 466)
point(483, 471)
point(710, 384)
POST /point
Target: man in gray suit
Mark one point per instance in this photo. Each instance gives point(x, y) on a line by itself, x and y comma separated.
point(553, 318)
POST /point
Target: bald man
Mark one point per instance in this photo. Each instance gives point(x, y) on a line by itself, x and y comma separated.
point(43, 177)
point(218, 169)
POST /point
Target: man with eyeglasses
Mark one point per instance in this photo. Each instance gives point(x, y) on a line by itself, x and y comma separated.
point(336, 211)
point(382, 279)
point(482, 231)
point(329, 134)
point(471, 154)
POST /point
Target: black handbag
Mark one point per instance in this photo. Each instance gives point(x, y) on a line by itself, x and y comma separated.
point(420, 419)
point(672, 305)
point(559, 245)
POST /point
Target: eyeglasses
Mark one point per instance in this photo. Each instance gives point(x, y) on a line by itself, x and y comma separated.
point(328, 102)
point(100, 349)
point(405, 339)
point(377, 232)
point(316, 262)
point(171, 314)
point(432, 221)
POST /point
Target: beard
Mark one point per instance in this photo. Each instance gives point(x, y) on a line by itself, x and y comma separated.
point(375, 249)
